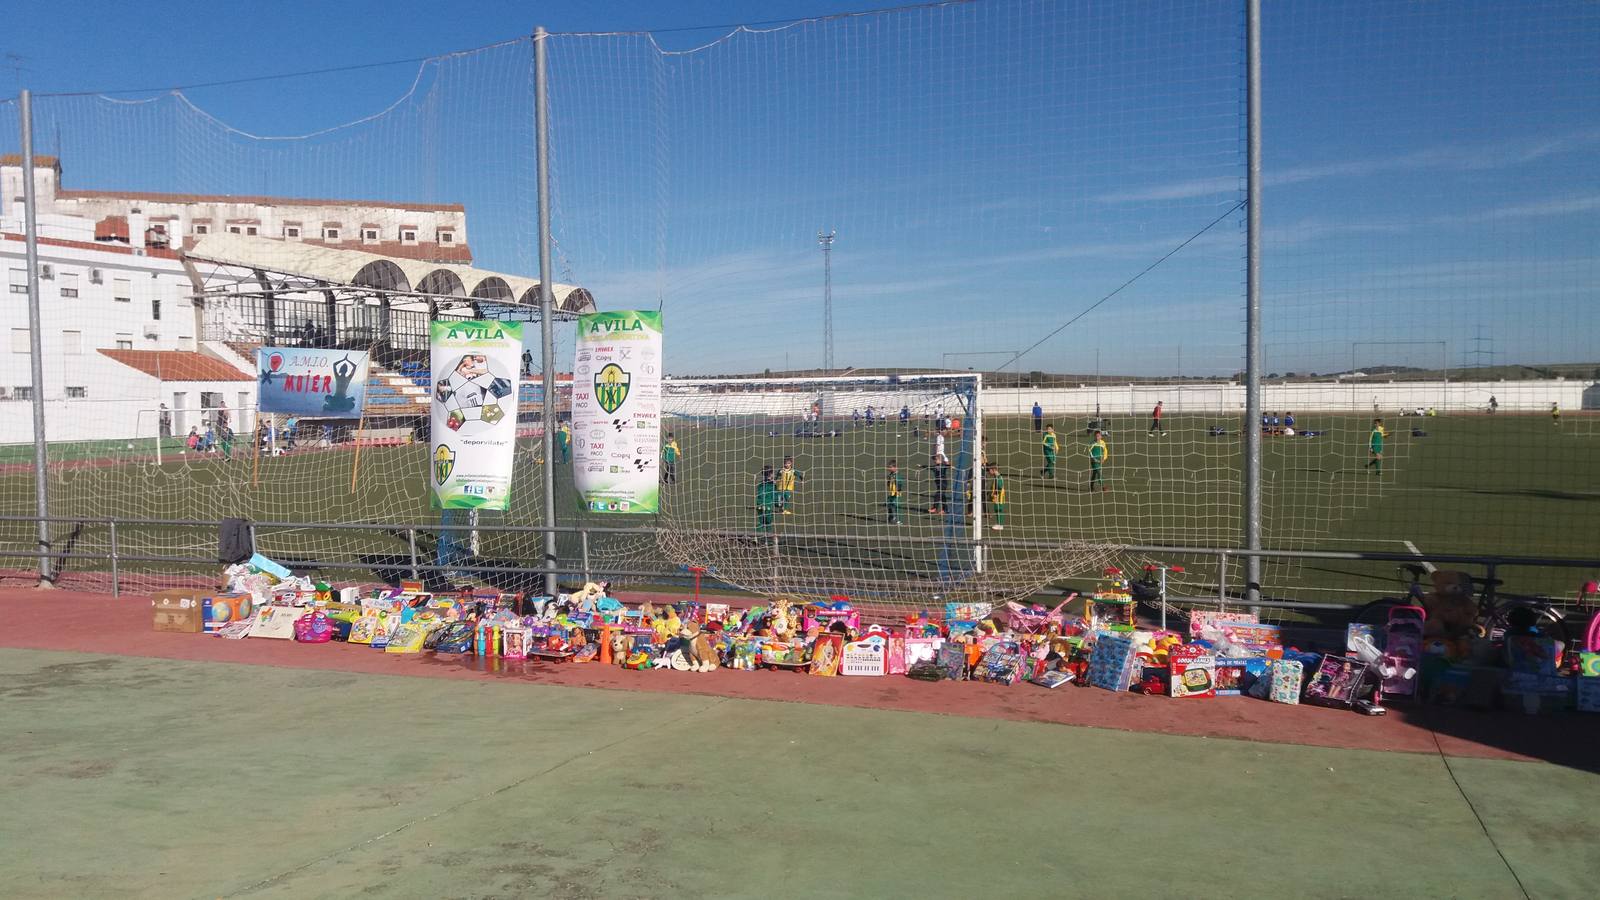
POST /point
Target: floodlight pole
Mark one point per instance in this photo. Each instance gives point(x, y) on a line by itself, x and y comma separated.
point(825, 240)
point(41, 484)
point(546, 305)
point(1252, 327)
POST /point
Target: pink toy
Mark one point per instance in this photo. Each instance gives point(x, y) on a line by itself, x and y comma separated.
point(1402, 651)
point(313, 628)
point(1034, 619)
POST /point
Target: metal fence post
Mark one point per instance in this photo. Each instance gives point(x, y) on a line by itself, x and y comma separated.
point(411, 540)
point(116, 589)
point(541, 103)
point(1252, 326)
point(1222, 578)
point(41, 483)
point(583, 543)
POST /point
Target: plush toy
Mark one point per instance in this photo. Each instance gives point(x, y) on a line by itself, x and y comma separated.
point(621, 648)
point(781, 620)
point(698, 651)
point(668, 626)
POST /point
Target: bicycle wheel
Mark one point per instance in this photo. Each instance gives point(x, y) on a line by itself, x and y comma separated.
point(1545, 617)
point(1376, 613)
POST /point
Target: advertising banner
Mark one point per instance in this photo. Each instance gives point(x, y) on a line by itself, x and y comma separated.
point(475, 366)
point(305, 381)
point(616, 412)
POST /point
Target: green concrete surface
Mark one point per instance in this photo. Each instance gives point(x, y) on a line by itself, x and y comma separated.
point(153, 778)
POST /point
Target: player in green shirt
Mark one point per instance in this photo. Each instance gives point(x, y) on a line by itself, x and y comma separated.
point(766, 499)
point(1375, 447)
point(787, 479)
point(1098, 453)
point(670, 454)
point(997, 498)
point(1052, 445)
point(1555, 414)
point(894, 487)
point(564, 442)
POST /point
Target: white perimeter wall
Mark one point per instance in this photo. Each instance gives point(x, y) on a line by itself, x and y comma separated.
point(1137, 399)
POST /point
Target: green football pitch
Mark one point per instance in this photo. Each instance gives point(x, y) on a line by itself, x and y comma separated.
point(1507, 485)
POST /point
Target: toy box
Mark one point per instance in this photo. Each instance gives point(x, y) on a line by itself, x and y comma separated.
point(894, 658)
point(1235, 675)
point(1194, 672)
point(1337, 681)
point(275, 622)
point(1204, 620)
point(1532, 655)
point(224, 608)
point(952, 658)
point(864, 657)
point(178, 611)
point(1003, 663)
point(1252, 638)
point(1284, 681)
point(825, 654)
point(1589, 665)
point(1588, 689)
point(921, 649)
point(1112, 663)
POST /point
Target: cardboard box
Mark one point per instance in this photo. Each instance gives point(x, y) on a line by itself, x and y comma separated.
point(1193, 672)
point(179, 611)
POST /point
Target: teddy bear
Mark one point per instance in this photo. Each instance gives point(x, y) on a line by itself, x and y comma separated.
point(697, 649)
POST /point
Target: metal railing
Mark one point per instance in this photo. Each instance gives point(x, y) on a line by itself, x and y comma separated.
point(414, 559)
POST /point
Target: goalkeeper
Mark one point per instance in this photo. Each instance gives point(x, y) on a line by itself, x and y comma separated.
point(1051, 445)
point(787, 478)
point(766, 499)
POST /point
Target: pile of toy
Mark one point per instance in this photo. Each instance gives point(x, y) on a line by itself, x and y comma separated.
point(1219, 654)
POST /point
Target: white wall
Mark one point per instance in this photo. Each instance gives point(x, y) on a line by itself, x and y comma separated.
point(1138, 399)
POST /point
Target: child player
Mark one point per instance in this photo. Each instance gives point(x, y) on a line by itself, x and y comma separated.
point(1098, 451)
point(1375, 447)
point(893, 488)
point(766, 498)
point(997, 498)
point(787, 477)
point(1051, 444)
point(670, 454)
point(1155, 420)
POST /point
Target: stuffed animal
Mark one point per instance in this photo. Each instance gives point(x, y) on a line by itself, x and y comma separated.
point(621, 648)
point(667, 626)
point(781, 620)
point(697, 649)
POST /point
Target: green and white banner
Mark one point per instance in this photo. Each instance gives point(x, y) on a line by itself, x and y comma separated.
point(475, 367)
point(616, 412)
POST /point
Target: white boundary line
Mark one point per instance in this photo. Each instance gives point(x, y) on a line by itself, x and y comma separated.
point(1426, 566)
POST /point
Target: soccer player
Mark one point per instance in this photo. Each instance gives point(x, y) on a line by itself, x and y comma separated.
point(997, 498)
point(1051, 444)
point(893, 487)
point(1493, 404)
point(905, 415)
point(1098, 452)
point(1375, 447)
point(1155, 420)
point(941, 482)
point(291, 428)
point(564, 442)
point(1038, 417)
point(1555, 414)
point(766, 499)
point(1288, 420)
point(787, 477)
point(870, 414)
point(855, 417)
point(670, 454)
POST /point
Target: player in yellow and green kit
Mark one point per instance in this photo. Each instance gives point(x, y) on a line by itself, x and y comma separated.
point(1051, 445)
point(670, 454)
point(1375, 447)
point(894, 487)
point(787, 478)
point(1555, 414)
point(564, 442)
point(1098, 453)
point(997, 498)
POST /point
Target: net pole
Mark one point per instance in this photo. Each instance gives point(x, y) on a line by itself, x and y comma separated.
point(255, 457)
point(355, 464)
point(1252, 364)
point(41, 486)
point(541, 104)
point(978, 475)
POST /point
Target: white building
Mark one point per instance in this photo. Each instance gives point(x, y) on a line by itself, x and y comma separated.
point(120, 336)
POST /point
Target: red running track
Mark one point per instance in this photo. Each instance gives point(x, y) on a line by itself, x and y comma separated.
point(96, 623)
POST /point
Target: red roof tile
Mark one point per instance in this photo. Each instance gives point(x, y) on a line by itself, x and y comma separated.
point(39, 162)
point(111, 228)
point(427, 250)
point(178, 365)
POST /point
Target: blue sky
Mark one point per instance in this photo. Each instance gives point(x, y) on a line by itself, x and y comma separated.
point(1432, 170)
